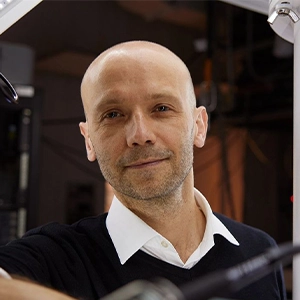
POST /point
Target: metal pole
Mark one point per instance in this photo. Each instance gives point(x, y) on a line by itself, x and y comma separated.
point(285, 21)
point(296, 176)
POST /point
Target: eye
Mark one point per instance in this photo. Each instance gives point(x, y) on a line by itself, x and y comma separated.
point(162, 108)
point(112, 115)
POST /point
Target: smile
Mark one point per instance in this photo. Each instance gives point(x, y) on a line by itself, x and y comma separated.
point(144, 164)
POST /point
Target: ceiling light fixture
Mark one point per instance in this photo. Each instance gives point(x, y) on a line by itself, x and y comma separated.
point(12, 10)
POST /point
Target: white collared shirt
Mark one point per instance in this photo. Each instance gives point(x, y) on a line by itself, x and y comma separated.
point(129, 234)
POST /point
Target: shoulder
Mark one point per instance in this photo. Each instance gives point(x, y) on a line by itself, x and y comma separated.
point(252, 242)
point(57, 232)
point(247, 235)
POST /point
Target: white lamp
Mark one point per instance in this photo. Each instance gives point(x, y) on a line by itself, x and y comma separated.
point(12, 10)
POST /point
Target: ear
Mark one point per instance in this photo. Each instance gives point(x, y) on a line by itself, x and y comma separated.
point(201, 119)
point(84, 130)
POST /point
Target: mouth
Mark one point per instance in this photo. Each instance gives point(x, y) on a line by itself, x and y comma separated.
point(145, 163)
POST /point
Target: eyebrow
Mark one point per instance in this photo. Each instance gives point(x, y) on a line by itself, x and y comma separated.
point(107, 101)
point(113, 100)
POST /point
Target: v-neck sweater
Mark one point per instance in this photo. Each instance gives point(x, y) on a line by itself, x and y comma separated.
point(81, 260)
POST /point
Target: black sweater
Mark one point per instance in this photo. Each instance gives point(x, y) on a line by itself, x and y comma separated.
point(80, 260)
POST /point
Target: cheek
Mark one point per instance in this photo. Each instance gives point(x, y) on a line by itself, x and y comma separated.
point(107, 147)
point(178, 132)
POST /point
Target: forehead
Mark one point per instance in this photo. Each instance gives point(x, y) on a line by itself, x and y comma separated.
point(136, 71)
point(138, 64)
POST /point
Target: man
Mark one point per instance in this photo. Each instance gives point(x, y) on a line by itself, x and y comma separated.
point(141, 126)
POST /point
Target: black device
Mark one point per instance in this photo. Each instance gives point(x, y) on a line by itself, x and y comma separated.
point(8, 91)
point(217, 284)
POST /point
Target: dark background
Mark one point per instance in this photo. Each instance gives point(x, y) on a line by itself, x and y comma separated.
point(252, 74)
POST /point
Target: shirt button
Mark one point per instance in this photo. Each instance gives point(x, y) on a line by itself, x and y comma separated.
point(164, 244)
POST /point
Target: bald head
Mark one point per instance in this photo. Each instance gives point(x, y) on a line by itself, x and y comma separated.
point(147, 54)
point(140, 104)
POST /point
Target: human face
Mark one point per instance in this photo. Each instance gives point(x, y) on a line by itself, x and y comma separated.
point(141, 126)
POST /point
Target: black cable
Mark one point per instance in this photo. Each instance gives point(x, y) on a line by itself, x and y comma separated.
point(216, 284)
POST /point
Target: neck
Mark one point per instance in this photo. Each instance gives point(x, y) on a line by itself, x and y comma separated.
point(176, 217)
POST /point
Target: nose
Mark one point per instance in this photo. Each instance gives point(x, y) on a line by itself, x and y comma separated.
point(139, 131)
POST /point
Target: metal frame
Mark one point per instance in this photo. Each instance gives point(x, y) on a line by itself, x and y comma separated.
point(34, 104)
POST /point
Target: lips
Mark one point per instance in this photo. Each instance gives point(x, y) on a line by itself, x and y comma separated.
point(142, 163)
point(141, 157)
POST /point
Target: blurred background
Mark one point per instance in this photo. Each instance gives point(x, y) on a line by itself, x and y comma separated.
point(242, 72)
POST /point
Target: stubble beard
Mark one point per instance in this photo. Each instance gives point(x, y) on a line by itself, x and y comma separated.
point(150, 185)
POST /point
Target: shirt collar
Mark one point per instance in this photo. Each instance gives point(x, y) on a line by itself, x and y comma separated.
point(129, 233)
point(213, 224)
